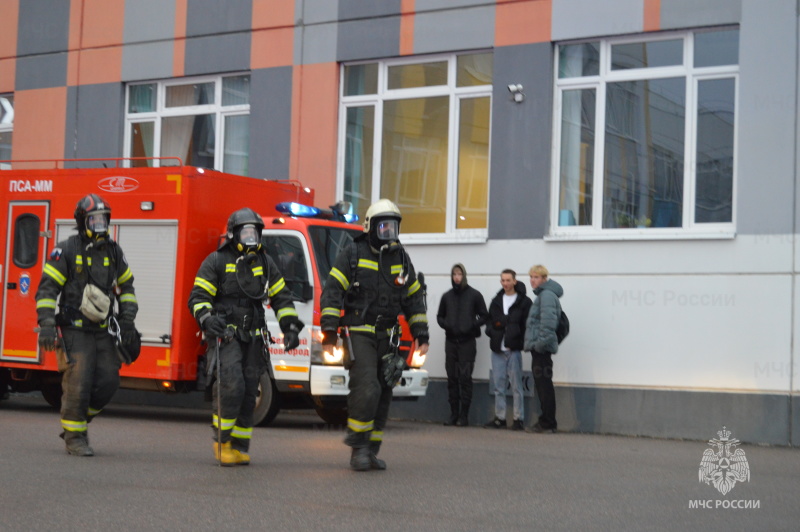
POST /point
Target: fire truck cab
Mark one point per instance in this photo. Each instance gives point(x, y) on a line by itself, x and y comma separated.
point(167, 218)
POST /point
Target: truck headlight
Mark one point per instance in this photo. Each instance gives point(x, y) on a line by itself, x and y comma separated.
point(334, 356)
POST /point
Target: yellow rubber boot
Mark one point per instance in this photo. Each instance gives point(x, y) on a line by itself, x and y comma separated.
point(241, 458)
point(225, 455)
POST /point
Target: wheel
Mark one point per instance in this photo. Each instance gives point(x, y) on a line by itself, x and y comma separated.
point(52, 393)
point(267, 402)
point(333, 415)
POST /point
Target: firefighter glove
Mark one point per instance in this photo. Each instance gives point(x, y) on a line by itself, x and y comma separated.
point(329, 339)
point(290, 340)
point(130, 343)
point(128, 331)
point(47, 335)
point(392, 367)
point(214, 326)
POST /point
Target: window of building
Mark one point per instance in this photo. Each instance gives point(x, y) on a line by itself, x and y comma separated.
point(189, 119)
point(645, 135)
point(416, 131)
point(6, 128)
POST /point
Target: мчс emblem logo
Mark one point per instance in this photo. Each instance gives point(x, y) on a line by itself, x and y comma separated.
point(118, 184)
point(723, 465)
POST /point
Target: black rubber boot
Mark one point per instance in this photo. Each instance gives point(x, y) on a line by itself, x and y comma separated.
point(360, 459)
point(78, 444)
point(463, 418)
point(374, 461)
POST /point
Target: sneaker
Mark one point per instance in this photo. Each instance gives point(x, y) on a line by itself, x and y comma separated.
point(496, 423)
point(517, 425)
point(539, 429)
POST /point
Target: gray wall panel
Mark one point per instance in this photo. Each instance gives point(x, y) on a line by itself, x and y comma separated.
point(270, 122)
point(349, 9)
point(316, 11)
point(147, 61)
point(204, 17)
point(521, 143)
point(41, 72)
point(149, 20)
point(454, 30)
point(315, 44)
point(767, 115)
point(695, 13)
point(436, 5)
point(367, 39)
point(220, 53)
point(86, 136)
point(574, 19)
point(43, 26)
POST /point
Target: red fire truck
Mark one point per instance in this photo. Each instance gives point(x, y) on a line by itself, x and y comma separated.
point(168, 217)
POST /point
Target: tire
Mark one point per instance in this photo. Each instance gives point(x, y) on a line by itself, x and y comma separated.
point(332, 415)
point(267, 402)
point(51, 391)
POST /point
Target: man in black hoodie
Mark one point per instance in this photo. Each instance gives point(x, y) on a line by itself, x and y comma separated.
point(508, 313)
point(462, 312)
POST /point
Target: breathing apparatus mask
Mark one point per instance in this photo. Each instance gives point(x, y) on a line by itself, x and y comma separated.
point(248, 238)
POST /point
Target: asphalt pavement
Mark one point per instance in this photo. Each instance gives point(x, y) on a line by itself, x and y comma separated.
point(154, 470)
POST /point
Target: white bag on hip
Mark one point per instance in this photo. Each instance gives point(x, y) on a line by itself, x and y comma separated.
point(95, 303)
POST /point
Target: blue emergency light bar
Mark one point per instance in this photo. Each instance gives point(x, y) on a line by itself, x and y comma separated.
point(342, 211)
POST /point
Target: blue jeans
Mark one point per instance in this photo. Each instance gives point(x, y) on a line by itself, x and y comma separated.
point(507, 366)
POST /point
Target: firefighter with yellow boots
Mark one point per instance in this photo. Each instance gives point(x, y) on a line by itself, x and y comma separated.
point(82, 278)
point(372, 281)
point(230, 290)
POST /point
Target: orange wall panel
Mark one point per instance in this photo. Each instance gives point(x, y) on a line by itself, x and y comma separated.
point(39, 123)
point(273, 14)
point(407, 27)
point(652, 15)
point(313, 160)
point(75, 25)
point(179, 53)
point(522, 22)
point(8, 70)
point(100, 65)
point(8, 35)
point(272, 48)
point(103, 22)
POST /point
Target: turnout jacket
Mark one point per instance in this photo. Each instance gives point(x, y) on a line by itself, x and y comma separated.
point(462, 311)
point(361, 283)
point(233, 286)
point(511, 327)
point(72, 265)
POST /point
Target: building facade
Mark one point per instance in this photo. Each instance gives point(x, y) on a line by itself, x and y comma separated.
point(643, 150)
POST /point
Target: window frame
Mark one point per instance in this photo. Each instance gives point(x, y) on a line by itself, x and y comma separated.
point(689, 229)
point(8, 127)
point(383, 94)
point(161, 112)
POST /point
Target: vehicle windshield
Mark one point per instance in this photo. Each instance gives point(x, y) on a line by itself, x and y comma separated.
point(327, 243)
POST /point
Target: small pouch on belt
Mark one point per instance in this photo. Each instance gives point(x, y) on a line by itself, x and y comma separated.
point(95, 303)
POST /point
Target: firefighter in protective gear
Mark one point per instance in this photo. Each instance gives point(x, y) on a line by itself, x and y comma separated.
point(372, 280)
point(87, 263)
point(231, 288)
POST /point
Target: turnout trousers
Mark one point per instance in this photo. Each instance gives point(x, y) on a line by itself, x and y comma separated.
point(241, 366)
point(89, 380)
point(369, 398)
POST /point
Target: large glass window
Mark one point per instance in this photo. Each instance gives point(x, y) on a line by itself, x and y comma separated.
point(6, 127)
point(189, 119)
point(416, 131)
point(645, 134)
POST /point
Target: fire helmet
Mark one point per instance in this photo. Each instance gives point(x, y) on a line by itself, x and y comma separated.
point(93, 216)
point(244, 229)
point(382, 223)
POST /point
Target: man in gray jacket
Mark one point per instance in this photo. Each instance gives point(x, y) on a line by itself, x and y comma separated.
point(541, 341)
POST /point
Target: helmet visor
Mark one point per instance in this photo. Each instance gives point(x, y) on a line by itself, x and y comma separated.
point(387, 230)
point(97, 223)
point(248, 235)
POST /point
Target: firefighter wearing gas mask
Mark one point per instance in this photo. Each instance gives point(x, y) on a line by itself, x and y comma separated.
point(231, 288)
point(82, 278)
point(372, 281)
